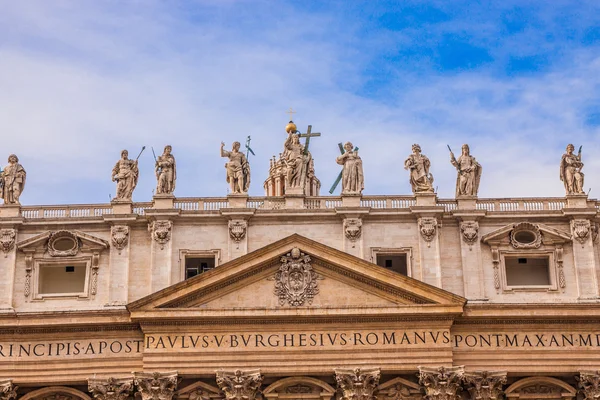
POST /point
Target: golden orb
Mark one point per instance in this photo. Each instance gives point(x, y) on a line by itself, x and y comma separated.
point(291, 127)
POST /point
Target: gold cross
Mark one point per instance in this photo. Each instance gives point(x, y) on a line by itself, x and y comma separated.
point(291, 112)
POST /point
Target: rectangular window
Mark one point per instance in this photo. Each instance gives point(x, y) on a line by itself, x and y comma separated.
point(393, 262)
point(195, 266)
point(527, 271)
point(62, 278)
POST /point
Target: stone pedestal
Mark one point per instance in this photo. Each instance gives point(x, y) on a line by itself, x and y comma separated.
point(294, 198)
point(426, 199)
point(237, 200)
point(163, 201)
point(466, 202)
point(576, 201)
point(121, 207)
point(10, 211)
point(351, 200)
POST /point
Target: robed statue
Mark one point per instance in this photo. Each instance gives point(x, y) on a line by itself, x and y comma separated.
point(469, 172)
point(570, 171)
point(12, 180)
point(418, 164)
point(166, 172)
point(126, 174)
point(353, 181)
point(238, 169)
point(297, 161)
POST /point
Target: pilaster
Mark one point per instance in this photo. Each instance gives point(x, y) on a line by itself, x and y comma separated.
point(239, 385)
point(8, 259)
point(470, 248)
point(161, 250)
point(119, 256)
point(429, 224)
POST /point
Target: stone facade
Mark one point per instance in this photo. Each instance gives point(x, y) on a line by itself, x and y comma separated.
point(497, 298)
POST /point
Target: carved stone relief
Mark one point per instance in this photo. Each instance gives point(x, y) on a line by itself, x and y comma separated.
point(428, 228)
point(237, 230)
point(7, 240)
point(63, 244)
point(119, 236)
point(525, 236)
point(353, 229)
point(239, 385)
point(8, 391)
point(156, 385)
point(589, 385)
point(441, 383)
point(357, 384)
point(111, 388)
point(469, 231)
point(399, 389)
point(296, 281)
point(580, 229)
point(161, 231)
point(484, 385)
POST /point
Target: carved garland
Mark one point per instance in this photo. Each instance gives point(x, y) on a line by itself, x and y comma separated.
point(296, 281)
point(239, 385)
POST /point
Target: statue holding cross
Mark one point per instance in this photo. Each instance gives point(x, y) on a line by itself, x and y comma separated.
point(298, 160)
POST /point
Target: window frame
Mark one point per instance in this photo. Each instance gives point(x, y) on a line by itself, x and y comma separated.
point(393, 251)
point(187, 253)
point(39, 263)
point(552, 270)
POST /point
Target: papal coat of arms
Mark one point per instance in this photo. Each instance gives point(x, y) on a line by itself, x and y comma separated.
point(296, 282)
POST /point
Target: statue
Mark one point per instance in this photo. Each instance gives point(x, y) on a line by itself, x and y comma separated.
point(238, 169)
point(570, 171)
point(166, 172)
point(469, 172)
point(12, 180)
point(352, 174)
point(418, 164)
point(125, 173)
point(296, 160)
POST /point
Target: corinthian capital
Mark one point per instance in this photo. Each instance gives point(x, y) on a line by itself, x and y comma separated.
point(239, 385)
point(441, 383)
point(589, 384)
point(111, 388)
point(156, 385)
point(357, 384)
point(8, 391)
point(484, 385)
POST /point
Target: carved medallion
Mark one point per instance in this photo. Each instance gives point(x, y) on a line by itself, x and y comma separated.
point(111, 388)
point(485, 385)
point(7, 239)
point(156, 386)
point(469, 231)
point(525, 235)
point(441, 383)
point(357, 384)
point(428, 227)
point(239, 385)
point(589, 385)
point(63, 244)
point(119, 236)
point(161, 231)
point(8, 391)
point(296, 281)
point(237, 230)
point(581, 230)
point(353, 229)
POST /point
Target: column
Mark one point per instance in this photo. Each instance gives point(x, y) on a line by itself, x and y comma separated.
point(441, 383)
point(156, 385)
point(485, 385)
point(357, 383)
point(111, 388)
point(239, 385)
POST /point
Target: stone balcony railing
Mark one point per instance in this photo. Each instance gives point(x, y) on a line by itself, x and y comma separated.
point(211, 204)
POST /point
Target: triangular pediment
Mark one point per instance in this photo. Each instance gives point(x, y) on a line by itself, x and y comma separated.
point(548, 235)
point(297, 276)
point(81, 240)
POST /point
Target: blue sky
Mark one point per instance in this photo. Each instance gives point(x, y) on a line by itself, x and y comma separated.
point(81, 80)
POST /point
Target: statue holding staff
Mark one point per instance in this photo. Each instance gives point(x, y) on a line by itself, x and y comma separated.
point(238, 168)
point(166, 172)
point(126, 173)
point(469, 172)
point(353, 181)
point(12, 180)
point(418, 164)
point(570, 171)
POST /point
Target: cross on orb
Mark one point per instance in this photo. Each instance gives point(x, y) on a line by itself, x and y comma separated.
point(291, 112)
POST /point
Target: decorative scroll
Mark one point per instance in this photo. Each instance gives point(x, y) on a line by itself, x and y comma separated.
point(161, 231)
point(119, 236)
point(8, 391)
point(441, 383)
point(589, 385)
point(484, 385)
point(469, 231)
point(111, 388)
point(156, 386)
point(296, 281)
point(239, 385)
point(357, 384)
point(7, 240)
point(428, 228)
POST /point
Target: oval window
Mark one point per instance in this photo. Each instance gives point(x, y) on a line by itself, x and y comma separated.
point(525, 237)
point(64, 244)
